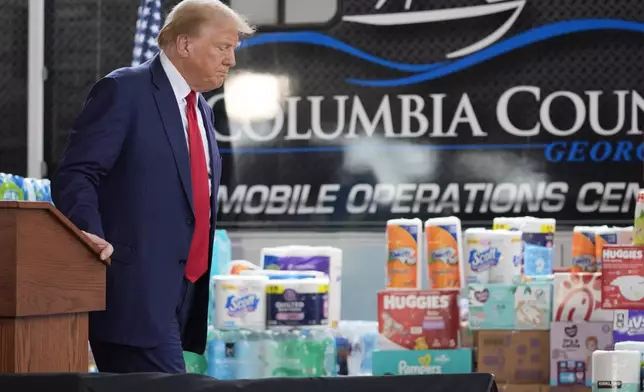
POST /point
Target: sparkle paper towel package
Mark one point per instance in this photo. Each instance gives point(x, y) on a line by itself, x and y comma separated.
point(324, 259)
point(571, 349)
point(577, 297)
point(616, 371)
point(240, 301)
point(294, 302)
point(404, 239)
point(628, 325)
point(444, 253)
point(525, 306)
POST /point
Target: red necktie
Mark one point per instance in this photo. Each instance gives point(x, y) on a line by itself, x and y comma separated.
point(197, 263)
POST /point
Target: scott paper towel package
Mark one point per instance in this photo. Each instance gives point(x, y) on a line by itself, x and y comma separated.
point(479, 255)
point(325, 259)
point(571, 349)
point(403, 269)
point(444, 253)
point(296, 302)
point(240, 301)
point(616, 371)
point(508, 267)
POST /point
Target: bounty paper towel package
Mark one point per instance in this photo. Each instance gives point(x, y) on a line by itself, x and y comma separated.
point(571, 349)
point(616, 371)
point(577, 297)
point(324, 259)
point(584, 258)
point(418, 319)
point(628, 325)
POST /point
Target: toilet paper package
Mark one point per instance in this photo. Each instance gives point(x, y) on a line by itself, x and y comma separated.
point(325, 259)
point(294, 302)
point(634, 346)
point(571, 349)
point(628, 325)
point(444, 252)
point(403, 270)
point(616, 371)
point(508, 267)
point(479, 254)
point(510, 223)
point(538, 246)
point(240, 301)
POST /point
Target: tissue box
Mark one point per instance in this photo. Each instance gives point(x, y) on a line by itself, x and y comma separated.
point(628, 325)
point(398, 362)
point(516, 306)
point(577, 297)
point(623, 277)
point(571, 349)
point(418, 319)
point(516, 357)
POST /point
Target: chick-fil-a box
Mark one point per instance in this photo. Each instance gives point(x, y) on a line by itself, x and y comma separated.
point(418, 319)
point(622, 277)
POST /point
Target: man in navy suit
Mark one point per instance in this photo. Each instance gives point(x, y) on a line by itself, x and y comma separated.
point(139, 176)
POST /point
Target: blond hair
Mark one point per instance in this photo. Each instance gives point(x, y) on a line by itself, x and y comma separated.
point(189, 16)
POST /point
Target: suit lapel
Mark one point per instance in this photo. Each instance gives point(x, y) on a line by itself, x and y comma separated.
point(173, 126)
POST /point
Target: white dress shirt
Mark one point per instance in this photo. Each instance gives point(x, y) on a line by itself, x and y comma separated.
point(181, 90)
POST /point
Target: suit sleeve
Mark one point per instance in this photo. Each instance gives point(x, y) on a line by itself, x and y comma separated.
point(94, 144)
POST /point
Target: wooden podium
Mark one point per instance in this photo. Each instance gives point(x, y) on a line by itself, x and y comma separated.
point(51, 276)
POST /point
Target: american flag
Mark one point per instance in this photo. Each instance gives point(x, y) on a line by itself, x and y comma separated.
point(148, 25)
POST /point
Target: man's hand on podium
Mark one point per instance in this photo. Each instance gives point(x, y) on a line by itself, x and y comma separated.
point(105, 247)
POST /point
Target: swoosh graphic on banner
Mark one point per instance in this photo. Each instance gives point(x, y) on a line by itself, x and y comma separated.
point(426, 72)
point(318, 39)
point(519, 41)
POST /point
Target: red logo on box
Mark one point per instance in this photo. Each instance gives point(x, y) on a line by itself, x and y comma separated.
point(419, 319)
point(622, 277)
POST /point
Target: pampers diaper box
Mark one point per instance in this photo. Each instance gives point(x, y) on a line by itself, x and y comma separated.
point(511, 306)
point(422, 362)
point(571, 350)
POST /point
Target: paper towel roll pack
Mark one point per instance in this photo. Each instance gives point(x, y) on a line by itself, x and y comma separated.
point(508, 268)
point(492, 256)
point(403, 268)
point(510, 223)
point(616, 371)
point(325, 259)
point(297, 302)
point(583, 248)
point(240, 301)
point(443, 244)
point(538, 246)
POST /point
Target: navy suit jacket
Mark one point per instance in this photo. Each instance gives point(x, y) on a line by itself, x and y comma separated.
point(125, 176)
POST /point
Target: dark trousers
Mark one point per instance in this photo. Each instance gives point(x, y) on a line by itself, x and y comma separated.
point(167, 357)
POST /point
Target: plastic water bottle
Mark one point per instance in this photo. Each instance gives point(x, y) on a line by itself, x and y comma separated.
point(285, 354)
point(250, 355)
point(11, 187)
point(330, 354)
point(223, 354)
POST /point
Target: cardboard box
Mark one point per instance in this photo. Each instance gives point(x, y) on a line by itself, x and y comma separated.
point(515, 357)
point(511, 306)
point(571, 349)
point(577, 297)
point(623, 277)
point(405, 362)
point(418, 319)
point(628, 325)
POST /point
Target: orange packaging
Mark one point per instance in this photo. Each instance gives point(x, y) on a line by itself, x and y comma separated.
point(444, 258)
point(584, 258)
point(403, 253)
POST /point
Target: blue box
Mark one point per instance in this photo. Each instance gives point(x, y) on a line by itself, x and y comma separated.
point(523, 306)
point(408, 362)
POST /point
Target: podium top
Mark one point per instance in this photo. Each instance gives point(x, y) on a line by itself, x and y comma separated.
point(45, 206)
